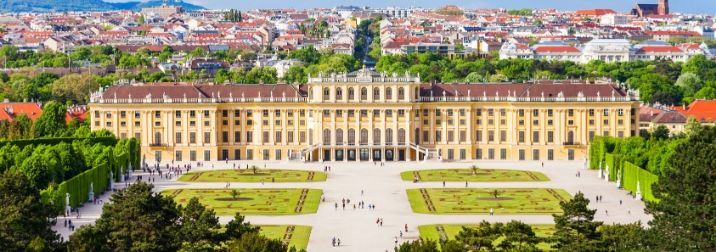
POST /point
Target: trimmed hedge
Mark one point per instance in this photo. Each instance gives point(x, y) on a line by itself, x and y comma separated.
point(114, 158)
point(610, 152)
point(108, 141)
point(631, 174)
point(78, 187)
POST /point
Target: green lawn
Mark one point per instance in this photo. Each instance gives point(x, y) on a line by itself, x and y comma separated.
point(299, 234)
point(480, 200)
point(481, 175)
point(248, 175)
point(252, 201)
point(449, 231)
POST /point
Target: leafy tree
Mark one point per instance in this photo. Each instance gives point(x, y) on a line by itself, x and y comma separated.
point(689, 82)
point(684, 216)
point(296, 74)
point(24, 219)
point(51, 122)
point(135, 219)
point(237, 228)
point(661, 132)
point(576, 229)
point(418, 246)
point(308, 55)
point(481, 237)
point(518, 237)
point(74, 87)
point(256, 243)
point(199, 226)
point(623, 237)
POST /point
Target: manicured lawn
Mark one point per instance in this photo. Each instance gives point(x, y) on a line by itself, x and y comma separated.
point(253, 201)
point(449, 231)
point(480, 200)
point(248, 176)
point(480, 175)
point(298, 234)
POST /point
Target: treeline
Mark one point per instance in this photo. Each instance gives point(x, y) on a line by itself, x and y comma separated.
point(683, 216)
point(665, 82)
point(135, 219)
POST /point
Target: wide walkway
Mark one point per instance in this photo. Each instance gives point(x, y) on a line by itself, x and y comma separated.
point(383, 187)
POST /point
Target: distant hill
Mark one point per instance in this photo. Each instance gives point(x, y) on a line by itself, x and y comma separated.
point(84, 5)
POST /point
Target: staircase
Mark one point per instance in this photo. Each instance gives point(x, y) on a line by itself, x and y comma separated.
point(429, 154)
point(300, 155)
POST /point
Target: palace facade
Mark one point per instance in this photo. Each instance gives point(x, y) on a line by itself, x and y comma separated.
point(366, 116)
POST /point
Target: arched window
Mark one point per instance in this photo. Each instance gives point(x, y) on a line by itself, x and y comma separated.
point(339, 94)
point(401, 94)
point(417, 93)
point(326, 94)
point(326, 137)
point(339, 137)
point(570, 137)
point(389, 137)
point(310, 94)
point(157, 138)
point(363, 137)
point(388, 93)
point(363, 94)
point(401, 136)
point(376, 136)
point(351, 94)
point(376, 94)
point(351, 137)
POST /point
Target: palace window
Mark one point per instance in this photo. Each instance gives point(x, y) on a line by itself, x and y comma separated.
point(339, 94)
point(351, 94)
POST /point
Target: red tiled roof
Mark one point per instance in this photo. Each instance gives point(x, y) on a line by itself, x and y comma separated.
point(670, 117)
point(595, 12)
point(10, 110)
point(681, 33)
point(556, 49)
point(660, 49)
point(702, 110)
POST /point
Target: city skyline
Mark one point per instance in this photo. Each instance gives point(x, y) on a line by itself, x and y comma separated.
point(695, 6)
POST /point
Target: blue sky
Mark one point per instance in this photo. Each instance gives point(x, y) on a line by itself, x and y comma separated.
point(689, 6)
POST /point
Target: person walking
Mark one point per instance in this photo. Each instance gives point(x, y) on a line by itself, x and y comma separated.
point(443, 183)
point(406, 227)
point(334, 241)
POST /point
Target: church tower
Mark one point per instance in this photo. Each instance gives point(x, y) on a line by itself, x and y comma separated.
point(663, 7)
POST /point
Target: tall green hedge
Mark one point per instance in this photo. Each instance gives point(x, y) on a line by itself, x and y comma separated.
point(618, 154)
point(115, 159)
point(108, 141)
point(78, 187)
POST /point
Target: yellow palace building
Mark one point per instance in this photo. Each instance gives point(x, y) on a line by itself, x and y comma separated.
point(366, 116)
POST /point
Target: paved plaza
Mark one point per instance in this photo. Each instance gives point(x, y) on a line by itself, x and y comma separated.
point(383, 187)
